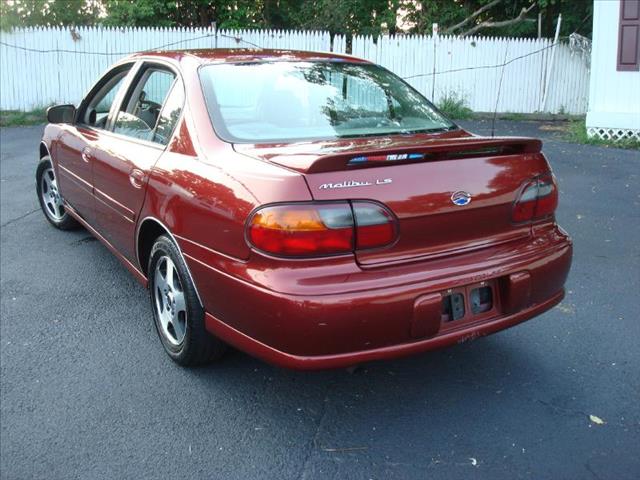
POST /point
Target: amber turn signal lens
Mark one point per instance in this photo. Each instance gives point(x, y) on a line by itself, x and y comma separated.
point(300, 230)
point(318, 229)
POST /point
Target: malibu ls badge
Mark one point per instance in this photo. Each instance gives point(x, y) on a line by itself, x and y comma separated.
point(355, 183)
point(461, 198)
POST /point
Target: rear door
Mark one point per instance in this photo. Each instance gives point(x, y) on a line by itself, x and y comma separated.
point(139, 132)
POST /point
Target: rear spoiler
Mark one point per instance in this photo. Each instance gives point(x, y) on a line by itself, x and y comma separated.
point(432, 151)
point(355, 156)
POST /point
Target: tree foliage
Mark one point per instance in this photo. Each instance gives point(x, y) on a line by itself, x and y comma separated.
point(191, 13)
point(26, 13)
point(576, 16)
point(365, 17)
point(344, 16)
point(372, 17)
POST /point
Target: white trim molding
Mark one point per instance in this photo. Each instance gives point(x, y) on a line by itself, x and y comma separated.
point(614, 96)
point(614, 125)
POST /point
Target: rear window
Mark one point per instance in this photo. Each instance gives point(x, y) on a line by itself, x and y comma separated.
point(289, 101)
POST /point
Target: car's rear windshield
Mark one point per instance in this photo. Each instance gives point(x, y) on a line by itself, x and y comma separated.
point(287, 101)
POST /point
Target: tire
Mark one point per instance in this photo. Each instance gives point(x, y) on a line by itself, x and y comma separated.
point(51, 202)
point(177, 312)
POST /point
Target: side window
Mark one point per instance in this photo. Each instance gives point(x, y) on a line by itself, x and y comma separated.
point(141, 108)
point(97, 105)
point(104, 105)
point(170, 113)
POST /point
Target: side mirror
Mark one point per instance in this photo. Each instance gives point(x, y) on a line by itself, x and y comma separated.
point(61, 114)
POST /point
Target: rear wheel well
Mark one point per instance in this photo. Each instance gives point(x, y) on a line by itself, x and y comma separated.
point(44, 151)
point(149, 231)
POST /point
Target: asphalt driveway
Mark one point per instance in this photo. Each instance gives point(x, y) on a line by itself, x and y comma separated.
point(87, 391)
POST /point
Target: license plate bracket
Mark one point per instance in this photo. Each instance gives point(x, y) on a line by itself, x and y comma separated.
point(453, 307)
point(470, 303)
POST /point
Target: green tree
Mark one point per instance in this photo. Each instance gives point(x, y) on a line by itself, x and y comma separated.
point(337, 16)
point(189, 13)
point(517, 18)
point(365, 17)
point(143, 13)
point(25, 13)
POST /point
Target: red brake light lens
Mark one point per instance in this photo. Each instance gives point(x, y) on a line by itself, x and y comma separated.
point(375, 225)
point(547, 196)
point(539, 199)
point(318, 229)
point(525, 207)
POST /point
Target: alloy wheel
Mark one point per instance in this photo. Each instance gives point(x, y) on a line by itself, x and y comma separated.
point(51, 198)
point(169, 301)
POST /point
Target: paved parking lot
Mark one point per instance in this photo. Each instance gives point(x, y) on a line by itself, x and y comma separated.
point(87, 391)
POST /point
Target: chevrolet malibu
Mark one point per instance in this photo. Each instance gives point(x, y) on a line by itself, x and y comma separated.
point(311, 209)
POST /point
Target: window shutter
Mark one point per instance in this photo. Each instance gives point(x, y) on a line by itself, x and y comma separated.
point(629, 36)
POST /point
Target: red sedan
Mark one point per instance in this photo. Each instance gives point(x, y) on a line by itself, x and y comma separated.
point(311, 209)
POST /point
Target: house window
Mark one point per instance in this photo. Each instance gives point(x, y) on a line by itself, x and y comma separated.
point(629, 36)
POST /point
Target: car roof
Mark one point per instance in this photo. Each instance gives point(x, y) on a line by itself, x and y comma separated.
point(235, 55)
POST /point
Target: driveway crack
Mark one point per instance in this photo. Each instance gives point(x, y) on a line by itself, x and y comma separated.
point(14, 220)
point(313, 444)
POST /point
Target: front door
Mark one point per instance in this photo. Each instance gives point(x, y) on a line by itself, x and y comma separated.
point(74, 150)
point(138, 135)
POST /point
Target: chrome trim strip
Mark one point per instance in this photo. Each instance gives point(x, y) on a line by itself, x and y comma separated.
point(114, 209)
point(74, 177)
point(216, 252)
point(120, 136)
point(195, 287)
point(131, 213)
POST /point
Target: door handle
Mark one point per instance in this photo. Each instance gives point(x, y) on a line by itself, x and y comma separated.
point(86, 154)
point(137, 177)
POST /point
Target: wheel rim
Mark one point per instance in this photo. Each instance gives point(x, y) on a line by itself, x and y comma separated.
point(169, 301)
point(51, 198)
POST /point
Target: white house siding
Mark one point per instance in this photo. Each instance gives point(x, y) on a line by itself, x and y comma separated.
point(614, 97)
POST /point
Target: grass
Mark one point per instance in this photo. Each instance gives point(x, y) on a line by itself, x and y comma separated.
point(455, 107)
point(14, 118)
point(513, 116)
point(577, 133)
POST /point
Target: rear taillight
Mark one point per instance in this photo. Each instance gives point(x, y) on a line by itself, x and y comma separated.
point(304, 229)
point(375, 225)
point(322, 228)
point(538, 199)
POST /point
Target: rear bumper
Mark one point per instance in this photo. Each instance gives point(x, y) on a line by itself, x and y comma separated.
point(319, 362)
point(329, 316)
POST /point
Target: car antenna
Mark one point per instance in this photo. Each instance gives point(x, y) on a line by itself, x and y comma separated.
point(495, 110)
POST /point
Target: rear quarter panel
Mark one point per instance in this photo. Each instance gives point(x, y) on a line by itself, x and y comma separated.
point(205, 197)
point(203, 191)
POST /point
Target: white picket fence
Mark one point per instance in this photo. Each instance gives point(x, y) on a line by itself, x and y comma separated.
point(471, 68)
point(43, 66)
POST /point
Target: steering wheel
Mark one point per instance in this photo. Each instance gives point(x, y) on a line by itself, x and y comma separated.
point(148, 104)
